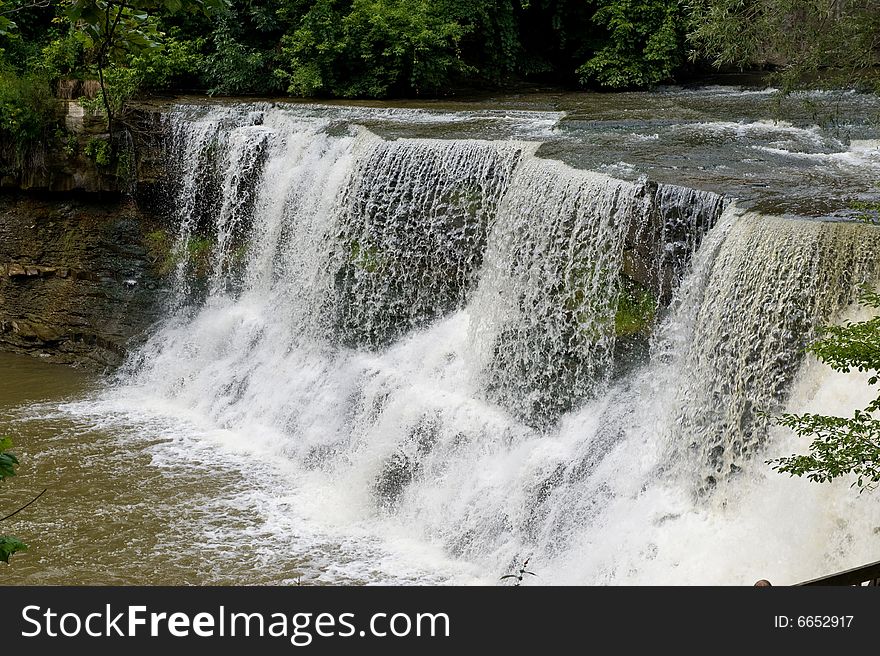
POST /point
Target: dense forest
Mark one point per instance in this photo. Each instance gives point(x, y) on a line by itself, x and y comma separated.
point(112, 50)
point(378, 48)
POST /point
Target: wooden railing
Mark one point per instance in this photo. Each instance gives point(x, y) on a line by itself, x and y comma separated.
point(864, 575)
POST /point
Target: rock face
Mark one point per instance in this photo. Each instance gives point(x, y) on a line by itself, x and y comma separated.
point(70, 165)
point(77, 284)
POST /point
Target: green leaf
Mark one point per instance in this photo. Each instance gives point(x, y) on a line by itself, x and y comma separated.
point(7, 26)
point(842, 446)
point(7, 460)
point(9, 546)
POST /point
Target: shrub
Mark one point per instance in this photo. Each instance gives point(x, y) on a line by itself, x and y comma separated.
point(173, 64)
point(99, 151)
point(643, 45)
point(28, 111)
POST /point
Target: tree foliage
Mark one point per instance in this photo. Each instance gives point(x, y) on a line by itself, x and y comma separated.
point(382, 48)
point(352, 47)
point(372, 48)
point(842, 445)
point(644, 43)
point(837, 41)
point(117, 30)
point(27, 111)
point(8, 544)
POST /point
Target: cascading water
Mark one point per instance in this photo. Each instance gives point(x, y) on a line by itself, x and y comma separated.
point(412, 231)
point(772, 282)
point(544, 318)
point(465, 344)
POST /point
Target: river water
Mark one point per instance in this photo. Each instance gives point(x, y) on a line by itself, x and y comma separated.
point(405, 359)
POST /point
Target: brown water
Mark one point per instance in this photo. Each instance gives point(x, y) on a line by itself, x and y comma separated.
point(113, 514)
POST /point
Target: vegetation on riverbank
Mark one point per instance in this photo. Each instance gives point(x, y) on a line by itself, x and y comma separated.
point(106, 52)
point(381, 48)
point(8, 544)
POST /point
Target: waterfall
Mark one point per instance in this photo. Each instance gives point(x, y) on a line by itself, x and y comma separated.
point(763, 293)
point(503, 354)
point(413, 229)
point(546, 315)
point(688, 214)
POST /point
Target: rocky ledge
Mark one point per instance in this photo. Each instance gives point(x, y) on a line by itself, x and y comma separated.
point(78, 284)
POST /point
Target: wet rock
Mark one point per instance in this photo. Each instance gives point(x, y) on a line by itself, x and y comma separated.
point(64, 272)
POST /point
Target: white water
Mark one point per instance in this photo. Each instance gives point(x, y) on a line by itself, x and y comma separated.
point(413, 358)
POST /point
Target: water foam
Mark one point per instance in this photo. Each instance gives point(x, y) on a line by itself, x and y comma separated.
point(416, 355)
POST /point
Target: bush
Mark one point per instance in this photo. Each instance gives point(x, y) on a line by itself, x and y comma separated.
point(62, 57)
point(121, 85)
point(174, 64)
point(99, 151)
point(235, 68)
point(28, 111)
point(644, 44)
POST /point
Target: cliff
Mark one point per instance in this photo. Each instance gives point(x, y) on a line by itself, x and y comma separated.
point(78, 284)
point(77, 281)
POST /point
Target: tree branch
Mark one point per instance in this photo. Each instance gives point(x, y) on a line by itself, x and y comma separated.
point(24, 506)
point(109, 30)
point(38, 4)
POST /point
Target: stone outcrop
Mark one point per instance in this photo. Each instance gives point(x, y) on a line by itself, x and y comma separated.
point(70, 165)
point(77, 281)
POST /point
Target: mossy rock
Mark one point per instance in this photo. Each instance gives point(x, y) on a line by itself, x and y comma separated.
point(165, 254)
point(366, 257)
point(636, 309)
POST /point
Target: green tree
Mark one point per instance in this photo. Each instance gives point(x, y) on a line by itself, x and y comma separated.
point(9, 9)
point(842, 445)
point(371, 48)
point(8, 544)
point(241, 50)
point(27, 113)
point(117, 30)
point(833, 41)
point(643, 44)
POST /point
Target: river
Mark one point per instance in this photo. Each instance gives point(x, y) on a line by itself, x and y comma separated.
point(420, 344)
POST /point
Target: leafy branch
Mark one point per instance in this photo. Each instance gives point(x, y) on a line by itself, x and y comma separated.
point(842, 445)
point(7, 25)
point(117, 29)
point(14, 513)
point(8, 544)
